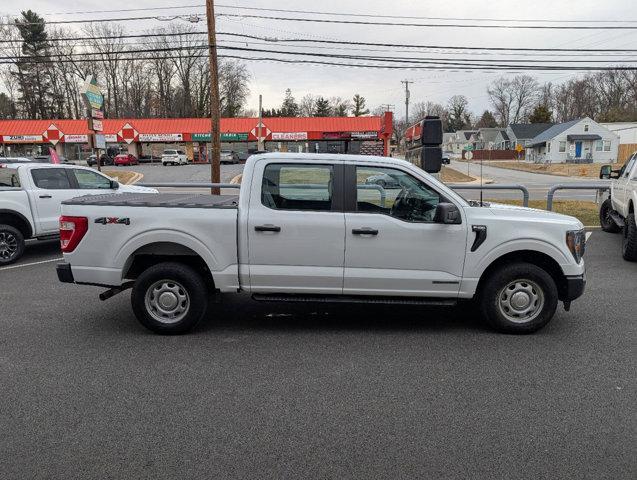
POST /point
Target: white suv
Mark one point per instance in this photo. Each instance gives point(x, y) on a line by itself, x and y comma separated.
point(174, 157)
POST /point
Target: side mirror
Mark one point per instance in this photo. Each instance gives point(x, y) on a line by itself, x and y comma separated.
point(114, 185)
point(605, 171)
point(448, 214)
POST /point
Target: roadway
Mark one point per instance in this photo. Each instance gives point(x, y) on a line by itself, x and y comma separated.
point(315, 391)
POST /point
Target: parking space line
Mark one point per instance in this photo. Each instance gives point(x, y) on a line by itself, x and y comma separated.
point(32, 263)
point(588, 235)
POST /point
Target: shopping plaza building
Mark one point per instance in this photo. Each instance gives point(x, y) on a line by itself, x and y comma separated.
point(149, 136)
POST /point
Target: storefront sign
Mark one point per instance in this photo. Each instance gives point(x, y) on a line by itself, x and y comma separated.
point(110, 138)
point(22, 138)
point(97, 114)
point(336, 135)
point(160, 137)
point(75, 138)
point(289, 136)
point(364, 135)
point(100, 141)
point(225, 137)
point(96, 125)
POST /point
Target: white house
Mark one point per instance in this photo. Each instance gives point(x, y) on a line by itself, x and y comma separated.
point(627, 132)
point(457, 141)
point(578, 141)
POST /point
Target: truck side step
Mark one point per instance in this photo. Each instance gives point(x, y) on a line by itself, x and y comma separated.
point(447, 302)
point(618, 219)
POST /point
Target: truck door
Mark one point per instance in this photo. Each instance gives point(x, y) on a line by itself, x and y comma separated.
point(296, 228)
point(392, 245)
point(52, 187)
point(622, 187)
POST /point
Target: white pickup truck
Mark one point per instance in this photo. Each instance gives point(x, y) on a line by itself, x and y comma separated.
point(309, 227)
point(30, 198)
point(617, 212)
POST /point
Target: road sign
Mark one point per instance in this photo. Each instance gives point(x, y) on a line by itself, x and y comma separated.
point(468, 155)
point(468, 148)
point(92, 94)
point(519, 148)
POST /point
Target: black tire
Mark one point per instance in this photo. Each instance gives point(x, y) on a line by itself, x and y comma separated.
point(11, 244)
point(605, 220)
point(166, 278)
point(629, 240)
point(529, 280)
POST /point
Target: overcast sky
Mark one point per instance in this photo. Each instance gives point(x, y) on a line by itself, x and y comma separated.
point(383, 86)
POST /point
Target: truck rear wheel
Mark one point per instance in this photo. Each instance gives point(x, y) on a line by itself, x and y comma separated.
point(11, 244)
point(605, 220)
point(629, 242)
point(169, 298)
point(518, 298)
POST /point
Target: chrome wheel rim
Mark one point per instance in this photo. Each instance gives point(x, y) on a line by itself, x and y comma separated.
point(8, 245)
point(167, 301)
point(521, 301)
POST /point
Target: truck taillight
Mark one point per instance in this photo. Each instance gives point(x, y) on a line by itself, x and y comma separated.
point(72, 230)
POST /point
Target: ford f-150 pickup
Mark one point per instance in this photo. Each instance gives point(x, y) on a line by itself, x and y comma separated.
point(30, 198)
point(617, 212)
point(311, 227)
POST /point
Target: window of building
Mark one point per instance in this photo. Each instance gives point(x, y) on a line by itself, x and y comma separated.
point(607, 145)
point(297, 187)
point(51, 178)
point(395, 193)
point(599, 145)
point(586, 128)
point(548, 147)
point(562, 148)
point(87, 179)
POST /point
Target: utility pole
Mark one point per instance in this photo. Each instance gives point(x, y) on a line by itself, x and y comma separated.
point(215, 136)
point(260, 145)
point(406, 82)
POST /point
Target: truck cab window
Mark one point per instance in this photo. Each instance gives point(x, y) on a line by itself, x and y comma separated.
point(9, 177)
point(297, 187)
point(395, 193)
point(89, 180)
point(51, 178)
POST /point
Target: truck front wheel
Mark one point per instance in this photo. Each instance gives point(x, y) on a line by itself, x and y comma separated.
point(629, 242)
point(518, 298)
point(605, 220)
point(169, 298)
point(11, 244)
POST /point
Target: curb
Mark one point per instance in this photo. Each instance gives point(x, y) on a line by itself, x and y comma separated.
point(138, 176)
point(237, 179)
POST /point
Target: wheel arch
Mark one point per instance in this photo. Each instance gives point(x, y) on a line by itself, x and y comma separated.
point(540, 259)
point(16, 220)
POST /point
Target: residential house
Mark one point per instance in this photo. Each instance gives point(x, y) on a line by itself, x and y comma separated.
point(578, 141)
point(486, 138)
point(502, 141)
point(457, 142)
point(522, 133)
point(627, 132)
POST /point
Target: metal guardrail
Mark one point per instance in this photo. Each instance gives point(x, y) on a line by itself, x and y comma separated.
point(599, 186)
point(503, 186)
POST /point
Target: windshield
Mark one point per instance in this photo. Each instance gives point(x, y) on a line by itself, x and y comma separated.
point(170, 152)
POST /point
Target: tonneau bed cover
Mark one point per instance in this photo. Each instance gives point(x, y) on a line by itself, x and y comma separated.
point(164, 200)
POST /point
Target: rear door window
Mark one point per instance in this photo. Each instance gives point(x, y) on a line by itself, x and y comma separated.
point(89, 180)
point(9, 177)
point(298, 187)
point(51, 178)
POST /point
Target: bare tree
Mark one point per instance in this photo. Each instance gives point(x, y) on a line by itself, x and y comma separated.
point(340, 106)
point(233, 87)
point(163, 73)
point(307, 105)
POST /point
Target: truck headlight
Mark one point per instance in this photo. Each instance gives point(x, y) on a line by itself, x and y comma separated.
point(576, 243)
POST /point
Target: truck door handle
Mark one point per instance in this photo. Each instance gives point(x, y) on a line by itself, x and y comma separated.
point(46, 196)
point(267, 228)
point(364, 231)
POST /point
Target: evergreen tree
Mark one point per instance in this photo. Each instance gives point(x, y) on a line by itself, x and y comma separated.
point(487, 120)
point(289, 108)
point(541, 114)
point(359, 109)
point(34, 81)
point(323, 108)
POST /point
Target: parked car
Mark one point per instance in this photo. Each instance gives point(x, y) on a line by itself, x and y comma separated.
point(149, 159)
point(383, 180)
point(104, 160)
point(617, 212)
point(329, 240)
point(125, 159)
point(174, 157)
point(229, 156)
point(446, 158)
point(30, 198)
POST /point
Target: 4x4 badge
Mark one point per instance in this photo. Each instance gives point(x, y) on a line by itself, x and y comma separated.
point(107, 220)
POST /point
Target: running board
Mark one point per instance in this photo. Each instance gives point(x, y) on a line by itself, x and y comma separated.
point(446, 302)
point(617, 218)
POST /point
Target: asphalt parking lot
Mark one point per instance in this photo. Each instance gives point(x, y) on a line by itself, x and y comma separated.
point(278, 391)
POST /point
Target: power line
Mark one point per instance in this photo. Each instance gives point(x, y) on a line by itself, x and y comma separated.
point(336, 42)
point(432, 25)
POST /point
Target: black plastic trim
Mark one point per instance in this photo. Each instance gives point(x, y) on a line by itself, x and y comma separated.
point(573, 287)
point(65, 275)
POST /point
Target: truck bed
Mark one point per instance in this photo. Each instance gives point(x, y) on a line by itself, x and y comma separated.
point(163, 200)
